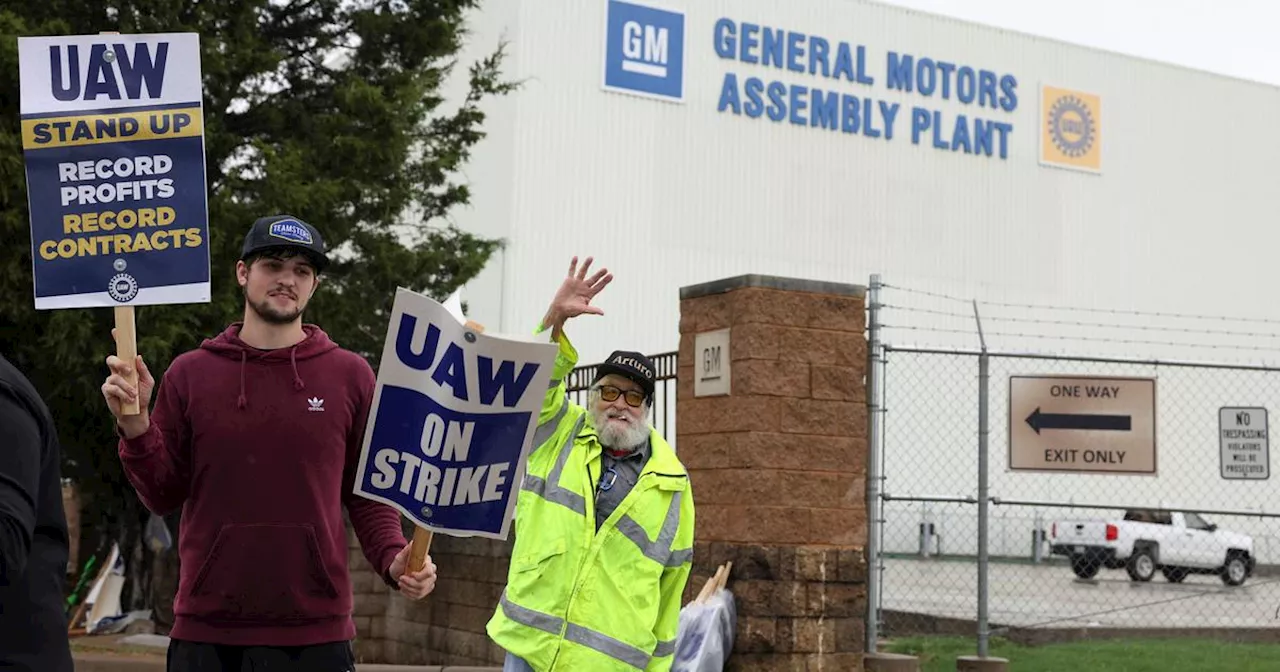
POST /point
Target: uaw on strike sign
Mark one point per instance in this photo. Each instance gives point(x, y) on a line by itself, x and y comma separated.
point(452, 420)
point(113, 138)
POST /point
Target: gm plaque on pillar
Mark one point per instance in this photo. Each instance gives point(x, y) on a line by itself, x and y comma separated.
point(711, 370)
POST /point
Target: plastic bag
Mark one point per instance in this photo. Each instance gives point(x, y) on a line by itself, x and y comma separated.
point(157, 534)
point(704, 637)
point(109, 625)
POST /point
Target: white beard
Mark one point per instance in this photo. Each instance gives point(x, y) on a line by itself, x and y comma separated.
point(619, 437)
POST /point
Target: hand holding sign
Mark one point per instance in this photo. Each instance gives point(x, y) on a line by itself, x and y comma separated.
point(415, 583)
point(122, 393)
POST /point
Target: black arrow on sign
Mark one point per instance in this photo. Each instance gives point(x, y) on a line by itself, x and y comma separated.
point(1039, 421)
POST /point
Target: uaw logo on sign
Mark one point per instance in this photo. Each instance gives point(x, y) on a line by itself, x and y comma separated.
point(1071, 123)
point(644, 51)
point(122, 287)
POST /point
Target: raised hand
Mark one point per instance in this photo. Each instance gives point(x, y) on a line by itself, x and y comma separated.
point(117, 390)
point(575, 295)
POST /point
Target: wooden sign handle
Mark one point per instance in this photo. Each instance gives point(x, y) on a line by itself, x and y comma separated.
point(421, 535)
point(421, 546)
point(126, 333)
point(127, 351)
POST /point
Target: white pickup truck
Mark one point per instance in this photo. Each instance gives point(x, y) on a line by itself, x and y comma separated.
point(1174, 542)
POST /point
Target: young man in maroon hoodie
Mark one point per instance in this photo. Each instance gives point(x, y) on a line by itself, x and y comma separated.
point(256, 436)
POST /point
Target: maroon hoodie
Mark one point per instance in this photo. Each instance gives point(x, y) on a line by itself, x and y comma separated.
point(259, 448)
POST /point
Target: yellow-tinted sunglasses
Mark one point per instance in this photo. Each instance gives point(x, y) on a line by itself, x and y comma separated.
point(610, 393)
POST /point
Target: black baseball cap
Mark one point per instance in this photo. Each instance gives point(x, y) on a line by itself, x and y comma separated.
point(632, 365)
point(289, 233)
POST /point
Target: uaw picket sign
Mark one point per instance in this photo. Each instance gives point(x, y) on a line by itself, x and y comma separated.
point(453, 417)
point(113, 145)
point(1245, 449)
point(1060, 423)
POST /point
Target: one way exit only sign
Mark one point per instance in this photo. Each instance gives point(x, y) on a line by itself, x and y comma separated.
point(1060, 423)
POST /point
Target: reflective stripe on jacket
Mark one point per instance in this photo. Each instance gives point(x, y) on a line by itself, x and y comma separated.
point(577, 599)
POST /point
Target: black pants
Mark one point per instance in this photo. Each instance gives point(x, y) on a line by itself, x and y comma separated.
point(186, 656)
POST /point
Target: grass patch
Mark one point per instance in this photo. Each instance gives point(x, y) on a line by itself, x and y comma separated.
point(938, 654)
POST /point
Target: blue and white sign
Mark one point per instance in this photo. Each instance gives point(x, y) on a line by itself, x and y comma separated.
point(113, 141)
point(644, 51)
point(452, 420)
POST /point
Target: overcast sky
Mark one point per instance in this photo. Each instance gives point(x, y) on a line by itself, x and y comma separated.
point(1232, 37)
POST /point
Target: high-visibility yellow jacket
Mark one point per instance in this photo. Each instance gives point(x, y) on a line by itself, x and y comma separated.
point(580, 600)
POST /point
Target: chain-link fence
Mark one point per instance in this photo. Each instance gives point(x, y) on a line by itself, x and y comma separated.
point(1124, 496)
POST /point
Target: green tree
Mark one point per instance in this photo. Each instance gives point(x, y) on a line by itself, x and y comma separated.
point(330, 110)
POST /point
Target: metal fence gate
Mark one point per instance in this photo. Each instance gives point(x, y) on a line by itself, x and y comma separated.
point(1012, 494)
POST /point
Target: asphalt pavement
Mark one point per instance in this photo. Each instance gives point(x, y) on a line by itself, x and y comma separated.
point(1051, 596)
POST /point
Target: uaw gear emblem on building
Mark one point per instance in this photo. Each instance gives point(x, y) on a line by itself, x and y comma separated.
point(1071, 135)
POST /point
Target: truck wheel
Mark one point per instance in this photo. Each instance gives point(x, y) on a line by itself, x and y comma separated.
point(1085, 567)
point(1236, 570)
point(1142, 564)
point(1174, 574)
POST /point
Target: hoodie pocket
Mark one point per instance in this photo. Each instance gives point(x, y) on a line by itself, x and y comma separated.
point(264, 572)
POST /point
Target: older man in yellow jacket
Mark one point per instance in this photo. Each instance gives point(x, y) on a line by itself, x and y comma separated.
point(604, 520)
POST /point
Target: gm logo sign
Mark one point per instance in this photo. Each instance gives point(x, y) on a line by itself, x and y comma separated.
point(644, 51)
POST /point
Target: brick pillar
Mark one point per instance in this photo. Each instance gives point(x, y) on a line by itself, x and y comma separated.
point(778, 465)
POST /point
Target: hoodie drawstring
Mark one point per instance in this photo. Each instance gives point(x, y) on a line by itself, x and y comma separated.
point(297, 379)
point(315, 343)
point(242, 401)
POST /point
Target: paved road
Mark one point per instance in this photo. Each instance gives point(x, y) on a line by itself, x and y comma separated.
point(101, 662)
point(145, 653)
point(1051, 596)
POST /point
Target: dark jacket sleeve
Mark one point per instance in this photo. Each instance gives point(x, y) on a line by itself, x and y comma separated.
point(19, 480)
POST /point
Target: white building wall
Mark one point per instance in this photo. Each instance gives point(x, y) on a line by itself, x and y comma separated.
point(671, 194)
point(490, 172)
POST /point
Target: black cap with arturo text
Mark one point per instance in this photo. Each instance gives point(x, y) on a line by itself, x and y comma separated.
point(632, 365)
point(286, 232)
